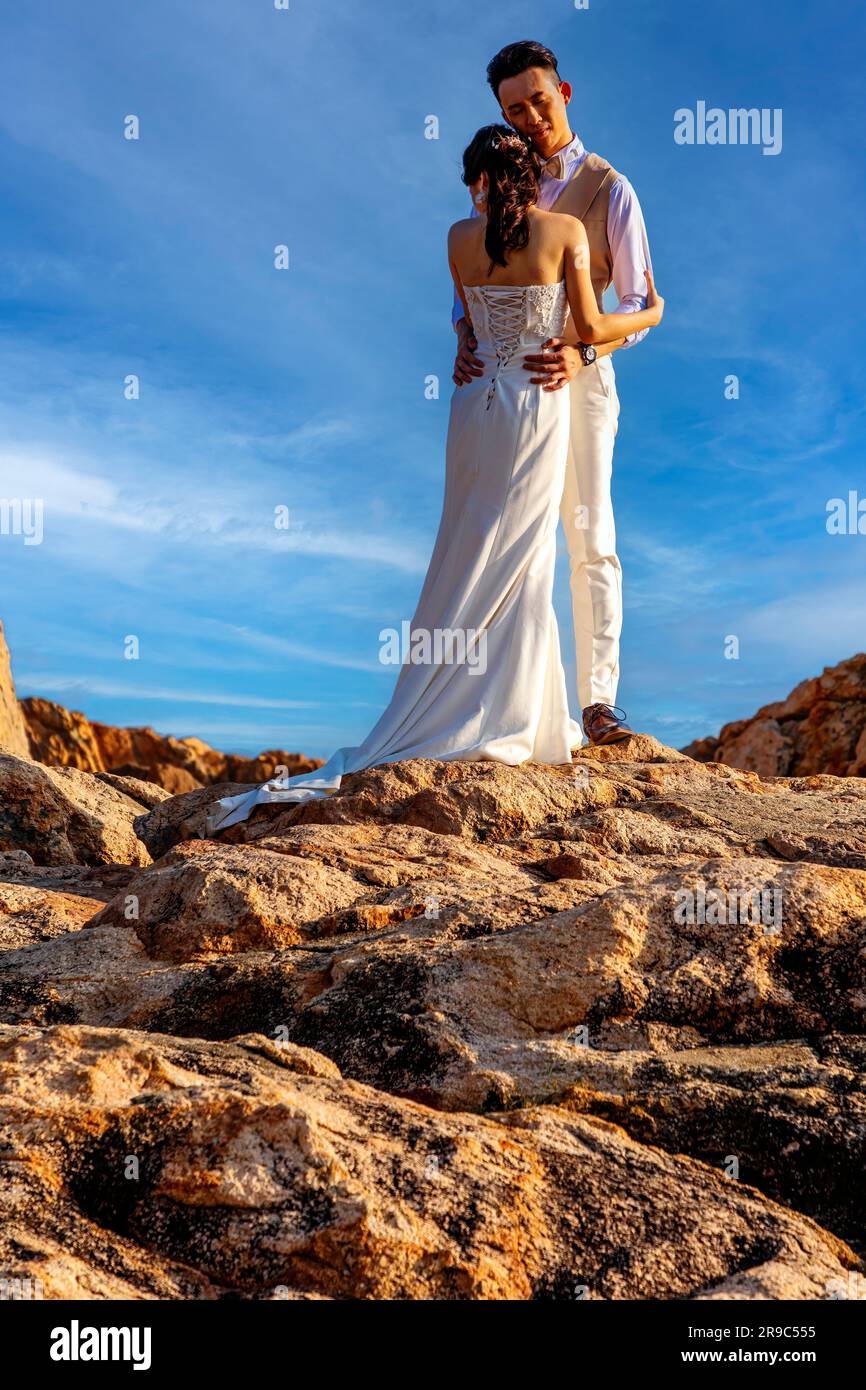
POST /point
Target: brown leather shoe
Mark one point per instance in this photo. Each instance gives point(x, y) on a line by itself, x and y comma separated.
point(605, 724)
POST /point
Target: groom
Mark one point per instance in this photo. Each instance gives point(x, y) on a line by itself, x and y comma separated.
point(534, 101)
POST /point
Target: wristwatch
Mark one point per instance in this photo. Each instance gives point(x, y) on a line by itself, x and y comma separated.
point(588, 353)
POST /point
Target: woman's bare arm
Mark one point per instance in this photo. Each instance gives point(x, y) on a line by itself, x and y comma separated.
point(455, 274)
point(591, 324)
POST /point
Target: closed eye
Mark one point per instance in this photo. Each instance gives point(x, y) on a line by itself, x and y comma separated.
point(537, 99)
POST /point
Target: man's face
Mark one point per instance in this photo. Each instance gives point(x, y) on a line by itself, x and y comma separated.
point(535, 104)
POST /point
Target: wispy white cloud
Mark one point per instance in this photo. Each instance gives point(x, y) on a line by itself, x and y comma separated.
point(285, 647)
point(307, 439)
point(47, 683)
point(183, 513)
point(830, 620)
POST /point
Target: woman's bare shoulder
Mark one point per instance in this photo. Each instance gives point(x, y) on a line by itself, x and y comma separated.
point(563, 226)
point(460, 231)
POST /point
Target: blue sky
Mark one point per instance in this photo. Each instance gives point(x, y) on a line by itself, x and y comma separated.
point(305, 388)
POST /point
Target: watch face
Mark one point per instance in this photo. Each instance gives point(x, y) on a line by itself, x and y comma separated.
point(589, 354)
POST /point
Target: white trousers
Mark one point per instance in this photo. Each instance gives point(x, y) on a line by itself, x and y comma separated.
point(587, 517)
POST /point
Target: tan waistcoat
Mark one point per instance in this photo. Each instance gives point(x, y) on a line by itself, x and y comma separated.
point(587, 196)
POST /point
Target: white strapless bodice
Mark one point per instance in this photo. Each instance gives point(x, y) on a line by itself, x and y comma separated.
point(506, 317)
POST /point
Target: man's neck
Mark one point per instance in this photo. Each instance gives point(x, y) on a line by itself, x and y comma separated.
point(568, 140)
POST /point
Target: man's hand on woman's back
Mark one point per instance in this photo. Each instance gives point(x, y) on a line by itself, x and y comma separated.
point(466, 364)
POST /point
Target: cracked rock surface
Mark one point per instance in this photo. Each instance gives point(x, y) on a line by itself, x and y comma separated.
point(460, 1031)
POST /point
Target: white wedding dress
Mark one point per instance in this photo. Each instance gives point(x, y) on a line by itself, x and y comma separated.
point(491, 574)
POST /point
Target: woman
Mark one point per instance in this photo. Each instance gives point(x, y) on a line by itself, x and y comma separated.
point(518, 271)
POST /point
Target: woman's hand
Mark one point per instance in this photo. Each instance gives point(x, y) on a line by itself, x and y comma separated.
point(654, 301)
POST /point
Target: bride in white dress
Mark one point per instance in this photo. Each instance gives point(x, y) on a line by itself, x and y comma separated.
point(488, 596)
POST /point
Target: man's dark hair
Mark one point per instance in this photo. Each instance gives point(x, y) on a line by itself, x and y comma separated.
point(515, 58)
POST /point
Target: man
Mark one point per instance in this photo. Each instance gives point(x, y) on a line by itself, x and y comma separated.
point(525, 80)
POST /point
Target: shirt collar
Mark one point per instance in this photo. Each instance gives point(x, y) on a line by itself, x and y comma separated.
point(572, 154)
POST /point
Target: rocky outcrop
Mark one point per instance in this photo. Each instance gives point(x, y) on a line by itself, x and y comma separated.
point(820, 727)
point(238, 901)
point(61, 737)
point(13, 732)
point(63, 816)
point(181, 817)
point(147, 1166)
point(348, 1039)
point(38, 903)
point(66, 738)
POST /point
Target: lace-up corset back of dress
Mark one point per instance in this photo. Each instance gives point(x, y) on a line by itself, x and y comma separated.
point(507, 317)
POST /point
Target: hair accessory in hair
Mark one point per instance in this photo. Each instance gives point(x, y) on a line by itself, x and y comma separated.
point(508, 142)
